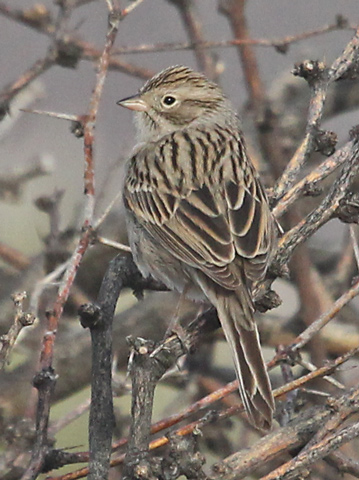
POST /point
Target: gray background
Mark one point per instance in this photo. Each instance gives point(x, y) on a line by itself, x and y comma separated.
point(68, 91)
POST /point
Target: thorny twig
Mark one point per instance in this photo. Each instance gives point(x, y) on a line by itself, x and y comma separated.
point(280, 44)
point(289, 193)
point(65, 50)
point(210, 399)
point(288, 438)
point(45, 381)
point(310, 181)
point(21, 320)
point(323, 213)
point(230, 388)
point(333, 441)
point(319, 78)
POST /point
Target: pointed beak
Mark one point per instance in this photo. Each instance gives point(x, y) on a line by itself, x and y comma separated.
point(134, 103)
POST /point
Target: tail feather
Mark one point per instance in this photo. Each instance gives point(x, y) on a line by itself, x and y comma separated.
point(254, 385)
point(235, 312)
point(249, 364)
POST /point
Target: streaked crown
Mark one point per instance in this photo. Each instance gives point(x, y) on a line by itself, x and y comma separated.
point(177, 76)
point(174, 99)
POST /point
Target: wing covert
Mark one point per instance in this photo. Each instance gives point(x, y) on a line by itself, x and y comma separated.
point(219, 223)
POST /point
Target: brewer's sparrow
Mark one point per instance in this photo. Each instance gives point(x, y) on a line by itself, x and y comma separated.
point(198, 217)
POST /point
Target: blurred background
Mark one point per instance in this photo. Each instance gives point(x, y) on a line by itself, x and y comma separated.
point(31, 142)
point(26, 137)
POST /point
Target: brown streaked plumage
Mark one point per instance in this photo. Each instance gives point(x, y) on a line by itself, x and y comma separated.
point(198, 217)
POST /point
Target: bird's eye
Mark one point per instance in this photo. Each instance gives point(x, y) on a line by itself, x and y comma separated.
point(168, 100)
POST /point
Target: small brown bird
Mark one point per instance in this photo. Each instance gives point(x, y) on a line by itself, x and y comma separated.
point(198, 217)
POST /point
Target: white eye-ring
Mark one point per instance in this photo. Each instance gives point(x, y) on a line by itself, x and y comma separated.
point(168, 100)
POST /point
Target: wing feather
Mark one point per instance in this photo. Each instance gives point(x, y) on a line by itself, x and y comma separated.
point(219, 225)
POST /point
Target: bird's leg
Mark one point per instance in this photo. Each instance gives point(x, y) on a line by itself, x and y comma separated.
point(175, 326)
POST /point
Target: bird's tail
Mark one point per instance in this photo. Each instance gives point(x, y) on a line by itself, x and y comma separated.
point(235, 313)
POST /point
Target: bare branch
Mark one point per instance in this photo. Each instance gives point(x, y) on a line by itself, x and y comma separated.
point(21, 320)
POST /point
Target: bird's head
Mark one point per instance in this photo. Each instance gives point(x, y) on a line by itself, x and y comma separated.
point(174, 99)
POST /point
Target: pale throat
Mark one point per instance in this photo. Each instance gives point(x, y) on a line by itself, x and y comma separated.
point(152, 129)
point(155, 127)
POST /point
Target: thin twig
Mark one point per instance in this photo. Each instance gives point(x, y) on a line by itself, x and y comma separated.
point(113, 244)
point(280, 44)
point(343, 464)
point(355, 243)
point(13, 257)
point(314, 328)
point(333, 441)
point(37, 69)
point(235, 12)
point(46, 380)
point(193, 25)
point(311, 180)
point(21, 320)
point(188, 429)
point(44, 283)
point(311, 367)
point(323, 213)
point(319, 79)
point(69, 417)
point(300, 430)
point(130, 8)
